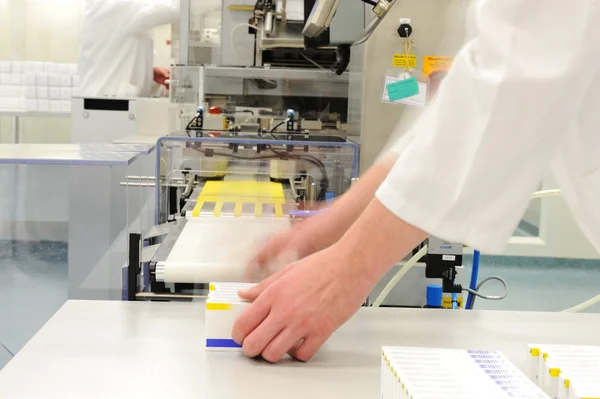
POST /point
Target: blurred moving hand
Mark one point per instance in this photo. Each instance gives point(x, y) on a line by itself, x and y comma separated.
point(321, 231)
point(296, 309)
point(301, 240)
point(161, 75)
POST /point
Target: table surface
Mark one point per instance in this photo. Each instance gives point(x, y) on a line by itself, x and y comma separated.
point(155, 350)
point(34, 114)
point(48, 156)
point(100, 147)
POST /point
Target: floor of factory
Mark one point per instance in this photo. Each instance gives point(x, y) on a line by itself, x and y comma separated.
point(33, 287)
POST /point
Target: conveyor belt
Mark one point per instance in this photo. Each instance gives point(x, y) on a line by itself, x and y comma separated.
point(245, 197)
point(216, 249)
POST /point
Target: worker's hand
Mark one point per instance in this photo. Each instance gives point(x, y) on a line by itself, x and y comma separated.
point(299, 307)
point(300, 241)
point(161, 75)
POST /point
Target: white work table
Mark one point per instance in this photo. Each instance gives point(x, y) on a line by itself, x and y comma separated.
point(155, 350)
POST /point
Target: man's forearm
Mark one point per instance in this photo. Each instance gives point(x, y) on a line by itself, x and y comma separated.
point(376, 241)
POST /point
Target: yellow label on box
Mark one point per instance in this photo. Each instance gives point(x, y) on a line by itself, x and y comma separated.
point(433, 63)
point(400, 60)
point(218, 306)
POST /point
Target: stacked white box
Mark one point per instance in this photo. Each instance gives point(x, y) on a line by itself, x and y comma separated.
point(43, 105)
point(566, 371)
point(54, 93)
point(24, 84)
point(42, 92)
point(42, 79)
point(223, 306)
point(422, 373)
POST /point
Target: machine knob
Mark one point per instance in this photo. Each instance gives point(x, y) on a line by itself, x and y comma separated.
point(405, 30)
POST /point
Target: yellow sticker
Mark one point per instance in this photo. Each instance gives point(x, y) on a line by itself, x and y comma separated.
point(434, 63)
point(400, 61)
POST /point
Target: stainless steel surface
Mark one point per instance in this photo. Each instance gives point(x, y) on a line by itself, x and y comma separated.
point(274, 73)
point(154, 350)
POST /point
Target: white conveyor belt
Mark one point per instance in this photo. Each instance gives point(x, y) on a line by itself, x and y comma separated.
point(216, 249)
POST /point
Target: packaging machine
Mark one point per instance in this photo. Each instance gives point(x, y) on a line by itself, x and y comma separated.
point(220, 194)
point(266, 139)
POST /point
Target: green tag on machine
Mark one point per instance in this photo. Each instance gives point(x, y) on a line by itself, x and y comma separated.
point(402, 89)
point(405, 88)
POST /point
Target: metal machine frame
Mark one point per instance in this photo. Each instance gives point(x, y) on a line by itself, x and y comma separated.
point(144, 252)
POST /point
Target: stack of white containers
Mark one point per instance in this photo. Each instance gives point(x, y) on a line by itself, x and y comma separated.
point(421, 373)
point(37, 86)
point(223, 306)
point(566, 371)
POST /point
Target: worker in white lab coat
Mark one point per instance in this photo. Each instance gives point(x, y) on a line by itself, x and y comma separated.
point(523, 95)
point(117, 53)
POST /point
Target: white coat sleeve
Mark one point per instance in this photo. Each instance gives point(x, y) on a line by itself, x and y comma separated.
point(148, 14)
point(479, 150)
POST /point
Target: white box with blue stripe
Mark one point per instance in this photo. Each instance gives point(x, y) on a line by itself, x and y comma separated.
point(223, 306)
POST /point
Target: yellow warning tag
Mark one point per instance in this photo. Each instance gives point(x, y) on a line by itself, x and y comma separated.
point(433, 64)
point(400, 61)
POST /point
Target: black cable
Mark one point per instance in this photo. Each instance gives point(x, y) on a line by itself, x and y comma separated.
point(278, 155)
point(369, 2)
point(321, 196)
point(276, 126)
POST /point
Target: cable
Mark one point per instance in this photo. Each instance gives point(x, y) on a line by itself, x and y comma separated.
point(232, 37)
point(401, 273)
point(315, 161)
point(322, 196)
point(477, 254)
point(310, 60)
point(370, 2)
point(293, 189)
point(276, 127)
point(584, 305)
point(474, 278)
point(475, 293)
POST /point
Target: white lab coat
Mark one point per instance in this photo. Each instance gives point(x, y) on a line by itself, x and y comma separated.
point(522, 95)
point(116, 57)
